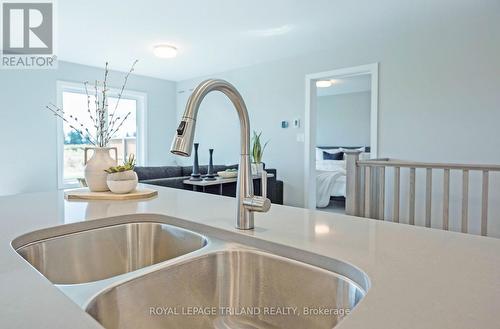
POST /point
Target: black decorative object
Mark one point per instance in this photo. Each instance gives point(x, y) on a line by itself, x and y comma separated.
point(196, 167)
point(210, 172)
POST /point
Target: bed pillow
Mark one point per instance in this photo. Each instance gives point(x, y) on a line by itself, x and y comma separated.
point(362, 149)
point(319, 152)
point(333, 156)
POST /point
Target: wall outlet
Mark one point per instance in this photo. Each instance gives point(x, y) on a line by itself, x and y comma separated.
point(300, 138)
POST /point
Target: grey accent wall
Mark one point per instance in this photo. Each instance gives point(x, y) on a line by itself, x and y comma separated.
point(343, 120)
point(28, 153)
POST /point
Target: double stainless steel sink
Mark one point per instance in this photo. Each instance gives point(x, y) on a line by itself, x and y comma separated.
point(102, 253)
point(155, 275)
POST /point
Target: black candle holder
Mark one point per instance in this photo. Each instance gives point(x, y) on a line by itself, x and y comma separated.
point(210, 171)
point(196, 166)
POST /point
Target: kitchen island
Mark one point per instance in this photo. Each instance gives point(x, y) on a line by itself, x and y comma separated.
point(417, 277)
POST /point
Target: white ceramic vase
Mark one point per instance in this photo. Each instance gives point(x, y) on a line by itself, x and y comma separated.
point(122, 182)
point(95, 176)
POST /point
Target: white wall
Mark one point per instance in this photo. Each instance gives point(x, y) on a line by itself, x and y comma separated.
point(439, 94)
point(343, 120)
point(28, 159)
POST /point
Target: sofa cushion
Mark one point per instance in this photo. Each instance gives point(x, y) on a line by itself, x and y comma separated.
point(187, 170)
point(145, 173)
point(174, 182)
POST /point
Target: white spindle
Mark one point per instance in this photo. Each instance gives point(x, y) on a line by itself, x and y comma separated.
point(484, 202)
point(411, 208)
point(361, 207)
point(428, 197)
point(397, 175)
point(446, 199)
point(465, 201)
point(368, 191)
point(381, 194)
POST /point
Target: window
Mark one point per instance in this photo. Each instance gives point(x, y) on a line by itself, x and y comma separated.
point(128, 140)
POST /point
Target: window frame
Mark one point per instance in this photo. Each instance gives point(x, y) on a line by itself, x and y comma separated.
point(141, 117)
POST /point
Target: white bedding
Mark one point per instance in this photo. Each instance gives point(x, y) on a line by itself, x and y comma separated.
point(330, 180)
point(330, 165)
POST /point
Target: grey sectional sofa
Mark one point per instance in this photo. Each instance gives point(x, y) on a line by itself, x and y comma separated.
point(173, 176)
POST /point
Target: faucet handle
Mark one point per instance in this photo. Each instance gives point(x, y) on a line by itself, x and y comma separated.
point(257, 203)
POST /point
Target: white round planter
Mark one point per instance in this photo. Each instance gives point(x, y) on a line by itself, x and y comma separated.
point(122, 182)
point(95, 176)
point(257, 168)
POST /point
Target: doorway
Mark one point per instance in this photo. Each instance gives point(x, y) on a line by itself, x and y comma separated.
point(341, 113)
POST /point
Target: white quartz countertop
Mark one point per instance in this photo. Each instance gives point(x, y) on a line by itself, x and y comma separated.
point(420, 278)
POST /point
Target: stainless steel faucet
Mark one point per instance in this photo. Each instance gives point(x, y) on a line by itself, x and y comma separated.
point(183, 144)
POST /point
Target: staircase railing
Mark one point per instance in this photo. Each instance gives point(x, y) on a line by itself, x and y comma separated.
point(366, 191)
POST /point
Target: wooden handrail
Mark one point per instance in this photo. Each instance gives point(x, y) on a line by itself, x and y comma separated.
point(433, 165)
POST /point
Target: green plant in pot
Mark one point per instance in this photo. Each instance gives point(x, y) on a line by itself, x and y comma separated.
point(122, 179)
point(257, 153)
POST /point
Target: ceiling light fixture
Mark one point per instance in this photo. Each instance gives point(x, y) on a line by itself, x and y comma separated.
point(165, 51)
point(323, 83)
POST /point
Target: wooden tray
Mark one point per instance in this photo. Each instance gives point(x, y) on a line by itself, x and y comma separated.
point(85, 194)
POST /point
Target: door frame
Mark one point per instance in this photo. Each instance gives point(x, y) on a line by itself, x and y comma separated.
point(310, 121)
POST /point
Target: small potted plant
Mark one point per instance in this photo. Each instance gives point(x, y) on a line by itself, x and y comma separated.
point(122, 179)
point(257, 153)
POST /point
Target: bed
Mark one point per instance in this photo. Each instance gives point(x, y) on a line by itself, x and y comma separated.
point(331, 172)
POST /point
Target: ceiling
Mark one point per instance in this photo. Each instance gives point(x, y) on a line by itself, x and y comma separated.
point(354, 84)
point(219, 35)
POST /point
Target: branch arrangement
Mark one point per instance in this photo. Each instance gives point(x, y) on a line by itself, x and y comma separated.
point(104, 124)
